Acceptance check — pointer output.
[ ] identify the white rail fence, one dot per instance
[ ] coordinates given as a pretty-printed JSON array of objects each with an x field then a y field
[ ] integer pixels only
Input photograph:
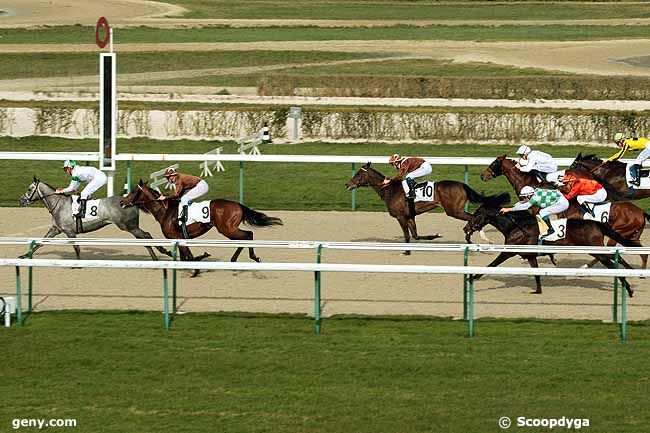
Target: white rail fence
[{"x": 318, "y": 267}]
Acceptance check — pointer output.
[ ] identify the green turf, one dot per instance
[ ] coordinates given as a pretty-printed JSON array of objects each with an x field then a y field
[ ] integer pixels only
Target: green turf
[
  {"x": 27, "y": 65},
  {"x": 272, "y": 186},
  {"x": 409, "y": 10},
  {"x": 120, "y": 372},
  {"x": 79, "y": 34}
]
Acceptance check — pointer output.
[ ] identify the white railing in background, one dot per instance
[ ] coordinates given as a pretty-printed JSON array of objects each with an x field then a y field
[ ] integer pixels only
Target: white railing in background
[{"x": 318, "y": 267}]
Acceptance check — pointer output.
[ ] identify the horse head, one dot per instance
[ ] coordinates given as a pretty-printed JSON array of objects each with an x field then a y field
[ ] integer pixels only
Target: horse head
[
  {"x": 30, "y": 195},
  {"x": 485, "y": 213},
  {"x": 138, "y": 197},
  {"x": 363, "y": 177},
  {"x": 494, "y": 170}
]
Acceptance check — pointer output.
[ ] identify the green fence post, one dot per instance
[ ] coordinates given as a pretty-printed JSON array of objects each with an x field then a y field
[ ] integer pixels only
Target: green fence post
[
  {"x": 241, "y": 182},
  {"x": 465, "y": 260},
  {"x": 165, "y": 300},
  {"x": 623, "y": 306},
  {"x": 128, "y": 176},
  {"x": 317, "y": 318},
  {"x": 615, "y": 312},
  {"x": 471, "y": 306},
  {"x": 466, "y": 180},
  {"x": 174, "y": 254},
  {"x": 354, "y": 191},
  {"x": 30, "y": 254},
  {"x": 19, "y": 302}
]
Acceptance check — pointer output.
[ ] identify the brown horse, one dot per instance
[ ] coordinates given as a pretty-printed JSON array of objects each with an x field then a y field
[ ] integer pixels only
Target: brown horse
[
  {"x": 610, "y": 174},
  {"x": 520, "y": 228},
  {"x": 449, "y": 194},
  {"x": 625, "y": 218},
  {"x": 225, "y": 215}
]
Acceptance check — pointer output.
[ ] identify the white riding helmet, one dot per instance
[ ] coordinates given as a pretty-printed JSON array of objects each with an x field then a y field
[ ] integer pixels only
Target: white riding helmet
[
  {"x": 618, "y": 136},
  {"x": 523, "y": 150},
  {"x": 69, "y": 163},
  {"x": 526, "y": 191}
]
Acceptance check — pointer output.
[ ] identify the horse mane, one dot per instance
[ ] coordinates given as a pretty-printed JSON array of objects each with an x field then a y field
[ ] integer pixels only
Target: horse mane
[
  {"x": 497, "y": 200},
  {"x": 590, "y": 157}
]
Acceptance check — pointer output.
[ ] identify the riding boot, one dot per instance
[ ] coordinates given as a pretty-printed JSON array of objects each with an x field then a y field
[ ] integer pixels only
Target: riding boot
[
  {"x": 587, "y": 209},
  {"x": 183, "y": 220},
  {"x": 81, "y": 213},
  {"x": 635, "y": 172},
  {"x": 550, "y": 230},
  {"x": 411, "y": 184}
]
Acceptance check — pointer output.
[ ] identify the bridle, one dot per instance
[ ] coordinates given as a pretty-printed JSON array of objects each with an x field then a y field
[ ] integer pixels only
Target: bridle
[{"x": 41, "y": 197}]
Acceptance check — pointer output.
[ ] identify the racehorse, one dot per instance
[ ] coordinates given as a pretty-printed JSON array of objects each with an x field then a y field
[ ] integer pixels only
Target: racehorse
[
  {"x": 625, "y": 218},
  {"x": 60, "y": 207},
  {"x": 449, "y": 194},
  {"x": 610, "y": 174},
  {"x": 225, "y": 215},
  {"x": 521, "y": 228}
]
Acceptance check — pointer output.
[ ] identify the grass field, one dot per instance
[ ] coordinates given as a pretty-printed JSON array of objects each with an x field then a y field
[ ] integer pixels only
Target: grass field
[
  {"x": 84, "y": 34},
  {"x": 29, "y": 65},
  {"x": 411, "y": 10},
  {"x": 120, "y": 372},
  {"x": 269, "y": 186}
]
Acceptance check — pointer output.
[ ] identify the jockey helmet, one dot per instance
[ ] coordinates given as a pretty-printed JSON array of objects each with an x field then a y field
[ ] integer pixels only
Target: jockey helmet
[
  {"x": 394, "y": 158},
  {"x": 526, "y": 191},
  {"x": 618, "y": 136},
  {"x": 69, "y": 163},
  {"x": 523, "y": 150},
  {"x": 171, "y": 171}
]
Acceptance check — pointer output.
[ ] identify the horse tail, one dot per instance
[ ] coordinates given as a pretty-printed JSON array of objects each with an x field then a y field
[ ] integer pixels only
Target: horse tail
[
  {"x": 476, "y": 197},
  {"x": 258, "y": 219},
  {"x": 613, "y": 234}
]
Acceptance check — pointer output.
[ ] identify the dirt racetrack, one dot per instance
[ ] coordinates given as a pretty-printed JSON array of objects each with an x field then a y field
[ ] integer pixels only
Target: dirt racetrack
[{"x": 275, "y": 292}]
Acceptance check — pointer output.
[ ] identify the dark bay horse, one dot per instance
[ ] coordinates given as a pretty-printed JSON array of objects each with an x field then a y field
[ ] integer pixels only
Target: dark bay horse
[
  {"x": 610, "y": 174},
  {"x": 520, "y": 228},
  {"x": 225, "y": 215},
  {"x": 449, "y": 194},
  {"x": 625, "y": 218}
]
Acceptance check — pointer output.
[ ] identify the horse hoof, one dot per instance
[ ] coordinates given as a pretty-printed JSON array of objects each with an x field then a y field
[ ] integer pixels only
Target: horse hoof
[
  {"x": 536, "y": 292},
  {"x": 406, "y": 253},
  {"x": 257, "y": 259},
  {"x": 585, "y": 266}
]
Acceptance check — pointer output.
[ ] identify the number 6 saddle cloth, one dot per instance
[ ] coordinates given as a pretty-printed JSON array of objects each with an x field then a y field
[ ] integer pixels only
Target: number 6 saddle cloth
[
  {"x": 601, "y": 213},
  {"x": 92, "y": 209},
  {"x": 198, "y": 212}
]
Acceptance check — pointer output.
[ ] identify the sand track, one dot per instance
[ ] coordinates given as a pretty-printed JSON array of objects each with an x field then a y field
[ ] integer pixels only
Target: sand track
[{"x": 292, "y": 292}]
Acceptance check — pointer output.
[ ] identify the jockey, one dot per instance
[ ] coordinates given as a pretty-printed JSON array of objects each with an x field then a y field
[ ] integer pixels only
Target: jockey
[
  {"x": 549, "y": 201},
  {"x": 95, "y": 178},
  {"x": 585, "y": 191},
  {"x": 409, "y": 169},
  {"x": 634, "y": 144},
  {"x": 539, "y": 163},
  {"x": 188, "y": 188}
]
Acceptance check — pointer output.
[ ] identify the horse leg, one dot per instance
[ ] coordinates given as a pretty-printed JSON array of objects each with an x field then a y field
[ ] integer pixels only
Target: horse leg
[
  {"x": 502, "y": 257},
  {"x": 52, "y": 232},
  {"x": 405, "y": 229},
  {"x": 241, "y": 235},
  {"x": 608, "y": 263},
  {"x": 532, "y": 261},
  {"x": 414, "y": 231},
  {"x": 610, "y": 243},
  {"x": 138, "y": 233},
  {"x": 77, "y": 250}
]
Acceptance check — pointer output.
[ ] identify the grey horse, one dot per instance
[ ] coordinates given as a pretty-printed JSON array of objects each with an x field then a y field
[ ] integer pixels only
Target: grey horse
[{"x": 60, "y": 207}]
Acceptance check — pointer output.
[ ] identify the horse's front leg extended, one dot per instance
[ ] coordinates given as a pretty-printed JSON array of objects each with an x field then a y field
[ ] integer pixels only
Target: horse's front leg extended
[
  {"x": 52, "y": 232},
  {"x": 502, "y": 257}
]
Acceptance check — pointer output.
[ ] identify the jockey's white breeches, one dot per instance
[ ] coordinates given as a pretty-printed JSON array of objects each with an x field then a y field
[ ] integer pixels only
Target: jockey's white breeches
[
  {"x": 645, "y": 153},
  {"x": 597, "y": 197},
  {"x": 559, "y": 206},
  {"x": 200, "y": 189},
  {"x": 423, "y": 170},
  {"x": 98, "y": 181}
]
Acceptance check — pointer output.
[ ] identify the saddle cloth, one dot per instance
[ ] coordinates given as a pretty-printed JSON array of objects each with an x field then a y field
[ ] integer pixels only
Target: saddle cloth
[
  {"x": 424, "y": 191},
  {"x": 92, "y": 209},
  {"x": 558, "y": 224},
  {"x": 645, "y": 180},
  {"x": 198, "y": 212},
  {"x": 601, "y": 212}
]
